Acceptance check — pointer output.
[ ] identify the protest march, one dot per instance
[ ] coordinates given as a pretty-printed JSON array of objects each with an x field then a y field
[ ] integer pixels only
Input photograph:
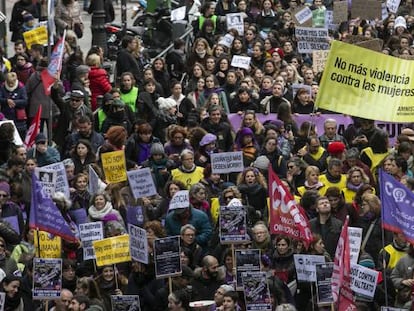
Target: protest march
[{"x": 266, "y": 162}]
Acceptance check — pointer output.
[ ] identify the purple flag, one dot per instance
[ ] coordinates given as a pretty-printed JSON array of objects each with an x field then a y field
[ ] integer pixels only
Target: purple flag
[
  {"x": 45, "y": 216},
  {"x": 397, "y": 206}
]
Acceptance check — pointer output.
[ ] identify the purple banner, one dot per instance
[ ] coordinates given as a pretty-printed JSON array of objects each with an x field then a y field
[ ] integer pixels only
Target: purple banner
[
  {"x": 44, "y": 214},
  {"x": 397, "y": 206},
  {"x": 393, "y": 129}
]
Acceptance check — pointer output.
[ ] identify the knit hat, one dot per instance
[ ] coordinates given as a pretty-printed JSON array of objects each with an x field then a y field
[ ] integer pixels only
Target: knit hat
[
  {"x": 261, "y": 162},
  {"x": 82, "y": 69},
  {"x": 28, "y": 17},
  {"x": 208, "y": 139},
  {"x": 227, "y": 288},
  {"x": 400, "y": 22},
  {"x": 336, "y": 147},
  {"x": 166, "y": 103},
  {"x": 245, "y": 131},
  {"x": 278, "y": 124},
  {"x": 40, "y": 138},
  {"x": 5, "y": 187},
  {"x": 116, "y": 135},
  {"x": 280, "y": 52},
  {"x": 77, "y": 94},
  {"x": 157, "y": 148}
]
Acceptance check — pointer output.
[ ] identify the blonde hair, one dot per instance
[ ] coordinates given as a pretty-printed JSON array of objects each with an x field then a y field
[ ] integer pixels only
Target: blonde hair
[{"x": 93, "y": 60}]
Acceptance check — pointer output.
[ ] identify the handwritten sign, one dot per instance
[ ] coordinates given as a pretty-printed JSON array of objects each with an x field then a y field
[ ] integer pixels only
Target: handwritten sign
[
  {"x": 181, "y": 199},
  {"x": 90, "y": 232},
  {"x": 340, "y": 11},
  {"x": 241, "y": 61},
  {"x": 355, "y": 238},
  {"x": 363, "y": 280},
  {"x": 319, "y": 60},
  {"x": 227, "y": 162},
  {"x": 138, "y": 243},
  {"x": 35, "y": 36},
  {"x": 303, "y": 15},
  {"x": 310, "y": 39},
  {"x": 50, "y": 246},
  {"x": 114, "y": 166},
  {"x": 62, "y": 183},
  {"x": 141, "y": 183},
  {"x": 305, "y": 266},
  {"x": 112, "y": 250}
]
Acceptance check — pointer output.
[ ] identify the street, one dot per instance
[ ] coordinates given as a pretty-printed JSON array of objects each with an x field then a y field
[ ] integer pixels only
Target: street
[{"x": 86, "y": 40}]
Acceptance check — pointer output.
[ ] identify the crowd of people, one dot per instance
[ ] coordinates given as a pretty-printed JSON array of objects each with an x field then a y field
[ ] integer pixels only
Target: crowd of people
[{"x": 170, "y": 115}]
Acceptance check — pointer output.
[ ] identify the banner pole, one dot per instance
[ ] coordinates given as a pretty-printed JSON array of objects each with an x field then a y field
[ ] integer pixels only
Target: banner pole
[
  {"x": 384, "y": 268},
  {"x": 38, "y": 242},
  {"x": 312, "y": 299},
  {"x": 116, "y": 276},
  {"x": 170, "y": 284}
]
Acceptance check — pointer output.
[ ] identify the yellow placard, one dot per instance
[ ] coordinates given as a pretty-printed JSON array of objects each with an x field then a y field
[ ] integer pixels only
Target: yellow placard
[
  {"x": 367, "y": 84},
  {"x": 35, "y": 36},
  {"x": 112, "y": 250},
  {"x": 114, "y": 166},
  {"x": 50, "y": 246}
]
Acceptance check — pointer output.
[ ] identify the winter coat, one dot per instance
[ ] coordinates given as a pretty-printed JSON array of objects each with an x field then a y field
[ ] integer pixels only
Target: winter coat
[
  {"x": 67, "y": 15},
  {"x": 197, "y": 218},
  {"x": 330, "y": 235},
  {"x": 133, "y": 148},
  {"x": 204, "y": 289},
  {"x": 16, "y": 21},
  {"x": 223, "y": 132},
  {"x": 99, "y": 84},
  {"x": 37, "y": 96},
  {"x": 18, "y": 95},
  {"x": 24, "y": 72}
]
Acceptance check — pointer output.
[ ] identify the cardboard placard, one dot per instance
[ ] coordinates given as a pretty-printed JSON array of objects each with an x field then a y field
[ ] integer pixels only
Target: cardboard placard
[
  {"x": 47, "y": 278},
  {"x": 227, "y": 162},
  {"x": 138, "y": 243},
  {"x": 340, "y": 11},
  {"x": 89, "y": 232},
  {"x": 112, "y": 250},
  {"x": 323, "y": 284},
  {"x": 114, "y": 166},
  {"x": 305, "y": 266},
  {"x": 319, "y": 60},
  {"x": 310, "y": 39},
  {"x": 141, "y": 183},
  {"x": 366, "y": 9}
]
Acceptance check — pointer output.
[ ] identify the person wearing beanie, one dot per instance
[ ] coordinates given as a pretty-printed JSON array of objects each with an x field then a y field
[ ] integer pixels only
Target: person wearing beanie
[
  {"x": 81, "y": 83},
  {"x": 400, "y": 25},
  {"x": 167, "y": 116},
  {"x": 207, "y": 147},
  {"x": 42, "y": 152},
  {"x": 117, "y": 116},
  {"x": 246, "y": 142},
  {"x": 160, "y": 166}
]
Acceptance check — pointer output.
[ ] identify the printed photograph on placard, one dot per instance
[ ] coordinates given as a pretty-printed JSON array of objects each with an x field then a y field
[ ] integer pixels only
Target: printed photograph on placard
[
  {"x": 256, "y": 291},
  {"x": 167, "y": 257},
  {"x": 125, "y": 302},
  {"x": 247, "y": 260},
  {"x": 232, "y": 224},
  {"x": 47, "y": 278}
]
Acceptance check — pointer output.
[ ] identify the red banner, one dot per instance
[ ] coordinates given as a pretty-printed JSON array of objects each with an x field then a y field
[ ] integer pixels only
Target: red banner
[
  {"x": 341, "y": 276},
  {"x": 286, "y": 216},
  {"x": 33, "y": 129}
]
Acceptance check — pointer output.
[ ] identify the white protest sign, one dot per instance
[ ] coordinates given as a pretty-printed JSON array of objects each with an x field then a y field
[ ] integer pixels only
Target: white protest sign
[
  {"x": 178, "y": 14},
  {"x": 392, "y": 309},
  {"x": 384, "y": 11},
  {"x": 306, "y": 266},
  {"x": 2, "y": 301},
  {"x": 241, "y": 61},
  {"x": 89, "y": 232},
  {"x": 138, "y": 243},
  {"x": 141, "y": 183},
  {"x": 304, "y": 15},
  {"x": 227, "y": 40},
  {"x": 62, "y": 183},
  {"x": 227, "y": 162},
  {"x": 48, "y": 180},
  {"x": 181, "y": 199},
  {"x": 95, "y": 184},
  {"x": 363, "y": 280},
  {"x": 393, "y": 5},
  {"x": 310, "y": 39},
  {"x": 355, "y": 238},
  {"x": 235, "y": 21}
]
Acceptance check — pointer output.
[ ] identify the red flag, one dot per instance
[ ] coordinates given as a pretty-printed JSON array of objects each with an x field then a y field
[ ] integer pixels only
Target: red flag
[
  {"x": 341, "y": 276},
  {"x": 33, "y": 130},
  {"x": 51, "y": 73},
  {"x": 286, "y": 216}
]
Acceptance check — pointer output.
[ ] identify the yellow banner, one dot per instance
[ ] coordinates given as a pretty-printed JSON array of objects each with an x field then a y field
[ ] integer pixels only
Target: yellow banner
[
  {"x": 114, "y": 166},
  {"x": 368, "y": 84},
  {"x": 112, "y": 250},
  {"x": 35, "y": 36},
  {"x": 50, "y": 246}
]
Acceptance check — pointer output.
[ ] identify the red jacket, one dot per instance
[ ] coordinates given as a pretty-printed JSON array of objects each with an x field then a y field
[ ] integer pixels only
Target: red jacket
[{"x": 99, "y": 84}]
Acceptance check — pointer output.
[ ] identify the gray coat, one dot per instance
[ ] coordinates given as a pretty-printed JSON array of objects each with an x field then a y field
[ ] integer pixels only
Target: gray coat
[{"x": 37, "y": 97}]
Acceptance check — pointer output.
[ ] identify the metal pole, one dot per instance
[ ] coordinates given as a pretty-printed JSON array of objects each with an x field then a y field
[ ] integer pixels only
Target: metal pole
[
  {"x": 124, "y": 16},
  {"x": 98, "y": 25}
]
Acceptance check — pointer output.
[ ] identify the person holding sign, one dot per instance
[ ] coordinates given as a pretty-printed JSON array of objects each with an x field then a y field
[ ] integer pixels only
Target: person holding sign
[{"x": 108, "y": 285}]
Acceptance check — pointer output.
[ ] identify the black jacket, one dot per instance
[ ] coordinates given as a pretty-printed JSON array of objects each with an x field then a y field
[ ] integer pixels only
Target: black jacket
[{"x": 330, "y": 234}]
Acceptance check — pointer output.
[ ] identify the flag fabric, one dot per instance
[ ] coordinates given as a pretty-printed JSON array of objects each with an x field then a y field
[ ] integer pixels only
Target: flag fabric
[
  {"x": 95, "y": 184},
  {"x": 341, "y": 276},
  {"x": 50, "y": 74},
  {"x": 286, "y": 216},
  {"x": 44, "y": 214},
  {"x": 33, "y": 130},
  {"x": 397, "y": 203}
]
